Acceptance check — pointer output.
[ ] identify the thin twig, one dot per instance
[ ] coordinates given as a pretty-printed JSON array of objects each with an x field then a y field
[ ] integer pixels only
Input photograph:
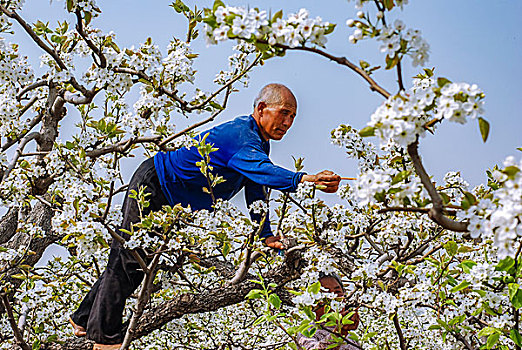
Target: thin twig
[
  {"x": 134, "y": 253},
  {"x": 143, "y": 297},
  {"x": 31, "y": 125},
  {"x": 245, "y": 264},
  {"x": 30, "y": 87},
  {"x": 19, "y": 151},
  {"x": 402, "y": 342},
  {"x": 229, "y": 83},
  {"x": 192, "y": 127},
  {"x": 122, "y": 146},
  {"x": 344, "y": 62},
  {"x": 18, "y": 336},
  {"x": 44, "y": 46},
  {"x": 85, "y": 37}
]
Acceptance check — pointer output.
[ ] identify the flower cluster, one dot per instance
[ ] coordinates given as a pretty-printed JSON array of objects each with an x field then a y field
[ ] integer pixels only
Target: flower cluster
[
  {"x": 403, "y": 117},
  {"x": 237, "y": 63},
  {"x": 228, "y": 22},
  {"x": 397, "y": 41},
  {"x": 500, "y": 218},
  {"x": 349, "y": 138}
]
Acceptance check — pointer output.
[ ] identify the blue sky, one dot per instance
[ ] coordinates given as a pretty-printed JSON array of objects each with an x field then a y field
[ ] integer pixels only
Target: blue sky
[{"x": 471, "y": 40}]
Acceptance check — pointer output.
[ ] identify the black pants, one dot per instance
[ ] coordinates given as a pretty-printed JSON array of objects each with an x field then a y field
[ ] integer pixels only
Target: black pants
[{"x": 101, "y": 310}]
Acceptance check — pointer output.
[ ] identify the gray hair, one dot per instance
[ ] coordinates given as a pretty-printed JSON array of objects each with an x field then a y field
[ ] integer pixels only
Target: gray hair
[
  {"x": 271, "y": 94},
  {"x": 334, "y": 276}
]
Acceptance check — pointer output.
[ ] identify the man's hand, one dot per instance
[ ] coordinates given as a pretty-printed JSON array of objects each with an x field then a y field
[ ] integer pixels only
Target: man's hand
[
  {"x": 274, "y": 242},
  {"x": 326, "y": 179}
]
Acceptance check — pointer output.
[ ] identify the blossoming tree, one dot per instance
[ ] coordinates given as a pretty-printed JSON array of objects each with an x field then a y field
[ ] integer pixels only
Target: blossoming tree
[{"x": 426, "y": 266}]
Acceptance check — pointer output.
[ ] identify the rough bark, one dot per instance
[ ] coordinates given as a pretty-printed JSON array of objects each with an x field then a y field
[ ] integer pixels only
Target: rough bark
[
  {"x": 184, "y": 304},
  {"x": 8, "y": 225}
]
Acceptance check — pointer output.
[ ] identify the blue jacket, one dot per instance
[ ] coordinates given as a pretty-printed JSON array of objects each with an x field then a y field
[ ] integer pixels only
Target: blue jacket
[{"x": 241, "y": 159}]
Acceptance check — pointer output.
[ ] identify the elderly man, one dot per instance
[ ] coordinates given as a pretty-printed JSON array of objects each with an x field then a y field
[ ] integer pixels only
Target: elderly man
[{"x": 173, "y": 177}]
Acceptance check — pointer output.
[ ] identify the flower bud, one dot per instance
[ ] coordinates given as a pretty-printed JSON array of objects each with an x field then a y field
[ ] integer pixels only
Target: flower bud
[
  {"x": 352, "y": 39},
  {"x": 360, "y": 14},
  {"x": 350, "y": 22}
]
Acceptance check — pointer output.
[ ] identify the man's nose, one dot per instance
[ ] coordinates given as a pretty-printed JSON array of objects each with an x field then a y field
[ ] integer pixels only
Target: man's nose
[{"x": 287, "y": 122}]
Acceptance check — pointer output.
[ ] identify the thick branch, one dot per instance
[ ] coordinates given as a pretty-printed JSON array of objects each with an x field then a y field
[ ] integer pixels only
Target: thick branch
[
  {"x": 122, "y": 146},
  {"x": 8, "y": 225},
  {"x": 207, "y": 301},
  {"x": 436, "y": 212}
]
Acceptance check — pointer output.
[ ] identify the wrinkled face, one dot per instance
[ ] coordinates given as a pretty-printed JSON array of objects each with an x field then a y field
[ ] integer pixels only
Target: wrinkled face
[
  {"x": 274, "y": 120},
  {"x": 332, "y": 286}
]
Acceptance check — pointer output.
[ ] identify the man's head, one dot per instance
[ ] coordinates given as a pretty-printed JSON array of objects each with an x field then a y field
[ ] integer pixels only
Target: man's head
[{"x": 275, "y": 108}]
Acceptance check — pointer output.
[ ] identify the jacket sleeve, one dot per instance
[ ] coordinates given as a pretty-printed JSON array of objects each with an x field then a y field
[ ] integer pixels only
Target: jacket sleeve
[
  {"x": 255, "y": 165},
  {"x": 255, "y": 192}
]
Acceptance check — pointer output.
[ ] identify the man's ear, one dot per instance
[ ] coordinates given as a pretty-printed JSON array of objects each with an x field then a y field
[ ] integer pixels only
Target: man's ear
[{"x": 260, "y": 107}]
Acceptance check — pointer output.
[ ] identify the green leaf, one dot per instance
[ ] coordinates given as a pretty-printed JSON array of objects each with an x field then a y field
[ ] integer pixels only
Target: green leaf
[
  {"x": 330, "y": 28},
  {"x": 471, "y": 198},
  {"x": 461, "y": 286},
  {"x": 505, "y": 264},
  {"x": 445, "y": 198},
  {"x": 226, "y": 248},
  {"x": 456, "y": 320},
  {"x": 314, "y": 288},
  {"x": 516, "y": 337},
  {"x": 364, "y": 65},
  {"x": 442, "y": 81},
  {"x": 492, "y": 340},
  {"x": 274, "y": 300},
  {"x": 400, "y": 177},
  {"x": 308, "y": 312},
  {"x": 511, "y": 171},
  {"x": 392, "y": 61},
  {"x": 254, "y": 294},
  {"x": 277, "y": 15},
  {"x": 484, "y": 128},
  {"x": 367, "y": 131},
  {"x": 451, "y": 247},
  {"x": 513, "y": 288},
  {"x": 467, "y": 265},
  {"x": 516, "y": 300},
  {"x": 487, "y": 331},
  {"x": 388, "y": 4},
  {"x": 36, "y": 344},
  {"x": 88, "y": 17},
  {"x": 217, "y": 4},
  {"x": 69, "y": 5}
]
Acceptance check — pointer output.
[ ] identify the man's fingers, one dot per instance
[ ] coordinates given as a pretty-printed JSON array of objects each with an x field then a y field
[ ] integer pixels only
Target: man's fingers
[
  {"x": 276, "y": 245},
  {"x": 329, "y": 177},
  {"x": 274, "y": 242}
]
